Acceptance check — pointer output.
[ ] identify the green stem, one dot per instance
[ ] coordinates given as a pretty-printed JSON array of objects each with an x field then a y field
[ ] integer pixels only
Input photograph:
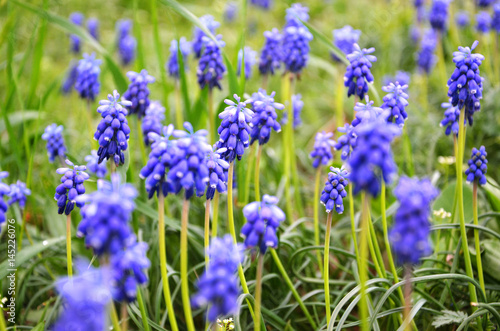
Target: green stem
[
  {"x": 316, "y": 216},
  {"x": 372, "y": 238},
  {"x": 258, "y": 291},
  {"x": 339, "y": 107},
  {"x": 211, "y": 118},
  {"x": 215, "y": 216},
  {"x": 407, "y": 299},
  {"x": 124, "y": 314},
  {"x": 178, "y": 105},
  {"x": 140, "y": 139},
  {"x": 114, "y": 317},
  {"x": 186, "y": 303},
  {"x": 476, "y": 238},
  {"x": 68, "y": 246},
  {"x": 207, "y": 231},
  {"x": 353, "y": 224},
  {"x": 285, "y": 85},
  {"x": 326, "y": 267},
  {"x": 248, "y": 177},
  {"x": 163, "y": 262},
  {"x": 363, "y": 270},
  {"x": 292, "y": 288},
  {"x": 142, "y": 308},
  {"x": 257, "y": 175},
  {"x": 408, "y": 154}
]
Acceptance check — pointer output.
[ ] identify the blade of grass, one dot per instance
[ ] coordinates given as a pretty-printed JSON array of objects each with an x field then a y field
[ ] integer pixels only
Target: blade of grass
[{"x": 159, "y": 57}]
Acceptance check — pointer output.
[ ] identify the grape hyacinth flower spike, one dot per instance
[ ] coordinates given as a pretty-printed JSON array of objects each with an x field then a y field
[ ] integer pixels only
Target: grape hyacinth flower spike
[
  {"x": 438, "y": 14},
  {"x": 113, "y": 130},
  {"x": 296, "y": 48},
  {"x": 70, "y": 80},
  {"x": 199, "y": 36},
  {"x": 358, "y": 73},
  {"x": 322, "y": 151},
  {"x": 344, "y": 39},
  {"x": 217, "y": 168},
  {"x": 462, "y": 19},
  {"x": 271, "y": 53},
  {"x": 402, "y": 77},
  {"x": 264, "y": 4},
  {"x": 366, "y": 112},
  {"x": 495, "y": 19},
  {"x": 465, "y": 86},
  {"x": 87, "y": 79},
  {"x": 173, "y": 62},
  {"x": 76, "y": 43},
  {"x": 127, "y": 43},
  {"x": 230, "y": 11},
  {"x": 264, "y": 119},
  {"x": 211, "y": 67},
  {"x": 93, "y": 27},
  {"x": 152, "y": 122},
  {"x": 483, "y": 22},
  {"x": 249, "y": 57},
  {"x": 55, "y": 142},
  {"x": 396, "y": 101},
  {"x": 298, "y": 105},
  {"x": 296, "y": 14},
  {"x": 450, "y": 120},
  {"x": 93, "y": 165},
  {"x": 18, "y": 194},
  {"x": 478, "y": 165},
  {"x": 426, "y": 59},
  {"x": 346, "y": 142},
  {"x": 334, "y": 191},
  {"x": 70, "y": 188},
  {"x": 138, "y": 92},
  {"x": 4, "y": 190}
]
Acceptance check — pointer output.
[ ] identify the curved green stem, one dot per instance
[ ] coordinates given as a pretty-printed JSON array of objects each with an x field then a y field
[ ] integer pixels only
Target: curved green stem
[
  {"x": 207, "y": 231},
  {"x": 257, "y": 175},
  {"x": 248, "y": 177},
  {"x": 292, "y": 288},
  {"x": 178, "y": 105},
  {"x": 258, "y": 291},
  {"x": 363, "y": 270},
  {"x": 211, "y": 118},
  {"x": 142, "y": 308},
  {"x": 353, "y": 224},
  {"x": 114, "y": 317},
  {"x": 316, "y": 216},
  {"x": 326, "y": 267},
  {"x": 215, "y": 216},
  {"x": 186, "y": 303},
  {"x": 476, "y": 238},
  {"x": 68, "y": 246},
  {"x": 285, "y": 85},
  {"x": 291, "y": 152},
  {"x": 373, "y": 251},
  {"x": 163, "y": 262}
]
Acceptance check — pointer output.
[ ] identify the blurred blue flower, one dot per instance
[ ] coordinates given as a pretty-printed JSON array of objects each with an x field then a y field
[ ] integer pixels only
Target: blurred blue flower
[
  {"x": 85, "y": 299},
  {"x": 265, "y": 118},
  {"x": 263, "y": 220},
  {"x": 93, "y": 165},
  {"x": 322, "y": 150},
  {"x": 401, "y": 77},
  {"x": 426, "y": 59},
  {"x": 484, "y": 3},
  {"x": 358, "y": 73},
  {"x": 87, "y": 79},
  {"x": 76, "y": 43},
  {"x": 295, "y": 14},
  {"x": 495, "y": 19},
  {"x": 438, "y": 15},
  {"x": 465, "y": 86},
  {"x": 4, "y": 190},
  {"x": 271, "y": 53},
  {"x": 173, "y": 62},
  {"x": 106, "y": 216},
  {"x": 334, "y": 191},
  {"x": 211, "y": 67},
  {"x": 396, "y": 101},
  {"x": 230, "y": 11},
  {"x": 296, "y": 48},
  {"x": 344, "y": 39},
  {"x": 234, "y": 130},
  {"x": 462, "y": 19},
  {"x": 188, "y": 168},
  {"x": 128, "y": 270},
  {"x": 366, "y": 112},
  {"x": 18, "y": 193},
  {"x": 478, "y": 166},
  {"x": 198, "y": 41},
  {"x": 410, "y": 233},
  {"x": 93, "y": 27},
  {"x": 249, "y": 59},
  {"x": 483, "y": 22},
  {"x": 70, "y": 188},
  {"x": 264, "y": 4},
  {"x": 346, "y": 142},
  {"x": 55, "y": 142},
  {"x": 152, "y": 122},
  {"x": 71, "y": 77},
  {"x": 218, "y": 287},
  {"x": 138, "y": 92},
  {"x": 113, "y": 130},
  {"x": 127, "y": 43},
  {"x": 450, "y": 120},
  {"x": 297, "y": 105},
  {"x": 217, "y": 169}
]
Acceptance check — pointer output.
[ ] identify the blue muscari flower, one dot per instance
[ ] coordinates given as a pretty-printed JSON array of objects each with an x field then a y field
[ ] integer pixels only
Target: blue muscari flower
[
  {"x": 264, "y": 4},
  {"x": 271, "y": 53},
  {"x": 18, "y": 193},
  {"x": 263, "y": 220},
  {"x": 189, "y": 169},
  {"x": 264, "y": 118},
  {"x": 297, "y": 105},
  {"x": 217, "y": 169},
  {"x": 199, "y": 36},
  {"x": 495, "y": 19},
  {"x": 173, "y": 62},
  {"x": 4, "y": 190},
  {"x": 106, "y": 217},
  {"x": 346, "y": 142},
  {"x": 249, "y": 59},
  {"x": 128, "y": 270},
  {"x": 161, "y": 158},
  {"x": 401, "y": 77},
  {"x": 211, "y": 67},
  {"x": 396, "y": 101},
  {"x": 426, "y": 59},
  {"x": 234, "y": 130},
  {"x": 438, "y": 14},
  {"x": 230, "y": 11},
  {"x": 322, "y": 150},
  {"x": 478, "y": 165},
  {"x": 414, "y": 33},
  {"x": 113, "y": 130},
  {"x": 462, "y": 19},
  {"x": 296, "y": 48},
  {"x": 218, "y": 287},
  {"x": 138, "y": 92},
  {"x": 450, "y": 120},
  {"x": 410, "y": 233},
  {"x": 483, "y": 21},
  {"x": 295, "y": 14},
  {"x": 465, "y": 87},
  {"x": 71, "y": 76},
  {"x": 77, "y": 19},
  {"x": 334, "y": 191},
  {"x": 85, "y": 299},
  {"x": 93, "y": 165},
  {"x": 419, "y": 6},
  {"x": 358, "y": 73},
  {"x": 127, "y": 43},
  {"x": 93, "y": 27},
  {"x": 70, "y": 188},
  {"x": 372, "y": 159},
  {"x": 484, "y": 3},
  {"x": 367, "y": 112},
  {"x": 55, "y": 142},
  {"x": 155, "y": 114},
  {"x": 87, "y": 79},
  {"x": 344, "y": 39}
]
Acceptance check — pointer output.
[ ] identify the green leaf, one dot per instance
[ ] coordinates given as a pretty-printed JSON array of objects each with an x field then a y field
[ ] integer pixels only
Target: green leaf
[
  {"x": 449, "y": 317},
  {"x": 445, "y": 199},
  {"x": 490, "y": 257},
  {"x": 18, "y": 117},
  {"x": 492, "y": 190},
  {"x": 327, "y": 42}
]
